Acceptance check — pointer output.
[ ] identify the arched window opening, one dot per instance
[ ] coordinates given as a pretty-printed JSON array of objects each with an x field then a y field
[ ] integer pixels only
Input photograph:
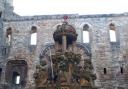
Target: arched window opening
[
  {"x": 33, "y": 35},
  {"x": 112, "y": 32},
  {"x": 86, "y": 34},
  {"x": 8, "y": 36},
  {"x": 105, "y": 71},
  {"x": 16, "y": 78}
]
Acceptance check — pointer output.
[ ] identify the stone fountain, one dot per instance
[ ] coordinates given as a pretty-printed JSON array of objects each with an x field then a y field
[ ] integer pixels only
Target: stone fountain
[{"x": 65, "y": 71}]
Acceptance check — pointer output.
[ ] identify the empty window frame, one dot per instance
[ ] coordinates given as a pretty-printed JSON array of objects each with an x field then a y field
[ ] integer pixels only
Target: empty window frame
[
  {"x": 112, "y": 33},
  {"x": 105, "y": 71},
  {"x": 33, "y": 35},
  {"x": 16, "y": 78},
  {"x": 0, "y": 14},
  {"x": 121, "y": 70},
  {"x": 86, "y": 38},
  {"x": 8, "y": 35},
  {"x": 0, "y": 73}
]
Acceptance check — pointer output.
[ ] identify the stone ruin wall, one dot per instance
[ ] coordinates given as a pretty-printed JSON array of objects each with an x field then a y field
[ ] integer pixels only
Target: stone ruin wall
[{"x": 105, "y": 54}]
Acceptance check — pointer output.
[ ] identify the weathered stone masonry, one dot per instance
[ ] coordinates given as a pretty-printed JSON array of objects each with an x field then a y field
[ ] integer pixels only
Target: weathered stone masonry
[{"x": 21, "y": 56}]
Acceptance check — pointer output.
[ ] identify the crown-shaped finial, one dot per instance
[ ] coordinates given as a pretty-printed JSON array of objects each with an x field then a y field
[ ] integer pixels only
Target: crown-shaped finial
[{"x": 65, "y": 18}]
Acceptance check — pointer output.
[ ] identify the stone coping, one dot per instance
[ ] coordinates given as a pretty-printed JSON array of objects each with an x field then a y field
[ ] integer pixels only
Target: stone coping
[{"x": 60, "y": 16}]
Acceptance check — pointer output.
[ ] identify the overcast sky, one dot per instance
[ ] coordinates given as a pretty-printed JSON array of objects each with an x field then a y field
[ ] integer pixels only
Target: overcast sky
[{"x": 46, "y": 7}]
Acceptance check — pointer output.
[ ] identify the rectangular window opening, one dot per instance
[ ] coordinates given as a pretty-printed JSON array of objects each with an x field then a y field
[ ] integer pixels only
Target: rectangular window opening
[
  {"x": 0, "y": 73},
  {"x": 112, "y": 35},
  {"x": 0, "y": 14},
  {"x": 33, "y": 38},
  {"x": 105, "y": 71},
  {"x": 8, "y": 39},
  {"x": 17, "y": 79},
  {"x": 121, "y": 70},
  {"x": 85, "y": 36}
]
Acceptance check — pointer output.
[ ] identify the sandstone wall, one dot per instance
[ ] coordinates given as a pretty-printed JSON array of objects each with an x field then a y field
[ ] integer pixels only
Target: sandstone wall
[{"x": 105, "y": 54}]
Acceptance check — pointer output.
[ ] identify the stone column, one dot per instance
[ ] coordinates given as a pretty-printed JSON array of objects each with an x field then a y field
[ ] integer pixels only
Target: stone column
[
  {"x": 64, "y": 41},
  {"x": 56, "y": 46}
]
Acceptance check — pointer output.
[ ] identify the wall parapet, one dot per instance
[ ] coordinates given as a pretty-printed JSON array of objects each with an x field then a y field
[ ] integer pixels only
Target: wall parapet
[{"x": 60, "y": 16}]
